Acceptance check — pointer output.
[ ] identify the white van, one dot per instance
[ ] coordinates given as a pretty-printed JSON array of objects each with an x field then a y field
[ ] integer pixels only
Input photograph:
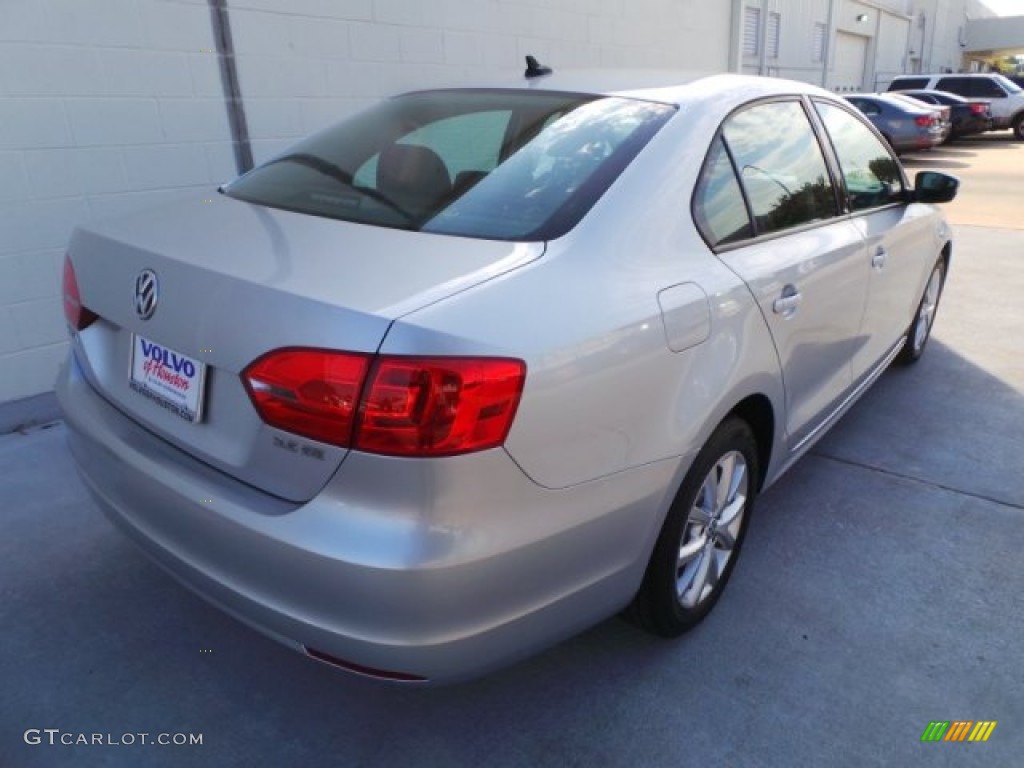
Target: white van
[{"x": 1006, "y": 96}]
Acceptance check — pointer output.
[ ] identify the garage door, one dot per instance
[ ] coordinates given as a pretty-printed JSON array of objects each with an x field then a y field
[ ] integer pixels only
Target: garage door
[{"x": 848, "y": 65}]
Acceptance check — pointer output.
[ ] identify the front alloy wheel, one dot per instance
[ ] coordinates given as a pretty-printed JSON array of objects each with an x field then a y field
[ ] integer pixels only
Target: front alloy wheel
[{"x": 702, "y": 534}]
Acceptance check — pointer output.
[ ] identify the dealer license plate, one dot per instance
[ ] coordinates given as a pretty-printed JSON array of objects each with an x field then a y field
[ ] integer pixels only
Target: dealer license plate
[{"x": 170, "y": 379}]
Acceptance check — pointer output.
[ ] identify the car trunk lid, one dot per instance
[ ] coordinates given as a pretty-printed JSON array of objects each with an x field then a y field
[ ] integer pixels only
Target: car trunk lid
[{"x": 232, "y": 281}]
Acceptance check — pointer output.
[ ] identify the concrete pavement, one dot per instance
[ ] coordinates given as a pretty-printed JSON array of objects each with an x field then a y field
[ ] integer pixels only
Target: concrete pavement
[{"x": 879, "y": 590}]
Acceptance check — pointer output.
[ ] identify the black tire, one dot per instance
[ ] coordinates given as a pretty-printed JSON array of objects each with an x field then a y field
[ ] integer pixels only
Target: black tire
[
  {"x": 920, "y": 329},
  {"x": 673, "y": 597},
  {"x": 1018, "y": 126}
]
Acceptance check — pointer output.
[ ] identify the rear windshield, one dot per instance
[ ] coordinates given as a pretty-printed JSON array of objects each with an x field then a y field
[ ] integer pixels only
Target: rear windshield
[{"x": 494, "y": 164}]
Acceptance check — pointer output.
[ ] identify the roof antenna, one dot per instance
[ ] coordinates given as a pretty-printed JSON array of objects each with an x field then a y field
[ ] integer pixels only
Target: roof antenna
[{"x": 535, "y": 69}]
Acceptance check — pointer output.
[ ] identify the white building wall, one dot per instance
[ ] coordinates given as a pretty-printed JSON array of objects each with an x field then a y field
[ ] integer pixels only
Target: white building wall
[
  {"x": 940, "y": 35},
  {"x": 110, "y": 105},
  {"x": 797, "y": 19},
  {"x": 865, "y": 42},
  {"x": 990, "y": 37},
  {"x": 884, "y": 27},
  {"x": 105, "y": 106},
  {"x": 890, "y": 50},
  {"x": 306, "y": 63}
]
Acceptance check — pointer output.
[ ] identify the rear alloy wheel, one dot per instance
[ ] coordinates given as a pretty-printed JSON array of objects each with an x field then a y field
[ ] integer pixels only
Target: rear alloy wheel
[
  {"x": 702, "y": 535},
  {"x": 921, "y": 328}
]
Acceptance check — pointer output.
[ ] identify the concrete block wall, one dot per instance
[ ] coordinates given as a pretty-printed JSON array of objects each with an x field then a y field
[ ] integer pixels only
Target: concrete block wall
[
  {"x": 110, "y": 105},
  {"x": 105, "y": 106},
  {"x": 305, "y": 64}
]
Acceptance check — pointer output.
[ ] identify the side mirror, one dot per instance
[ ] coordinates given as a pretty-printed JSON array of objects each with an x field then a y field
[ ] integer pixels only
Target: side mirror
[{"x": 935, "y": 187}]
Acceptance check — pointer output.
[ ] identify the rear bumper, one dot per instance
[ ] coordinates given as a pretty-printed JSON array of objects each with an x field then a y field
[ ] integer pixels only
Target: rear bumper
[
  {"x": 918, "y": 141},
  {"x": 437, "y": 570},
  {"x": 971, "y": 125}
]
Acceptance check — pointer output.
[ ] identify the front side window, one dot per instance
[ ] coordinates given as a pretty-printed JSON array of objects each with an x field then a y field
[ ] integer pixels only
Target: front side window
[
  {"x": 870, "y": 172},
  {"x": 780, "y": 165},
  {"x": 958, "y": 85},
  {"x": 494, "y": 164}
]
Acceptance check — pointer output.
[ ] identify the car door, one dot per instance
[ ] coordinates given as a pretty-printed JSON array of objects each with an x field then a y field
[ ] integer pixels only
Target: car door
[
  {"x": 783, "y": 235},
  {"x": 897, "y": 255}
]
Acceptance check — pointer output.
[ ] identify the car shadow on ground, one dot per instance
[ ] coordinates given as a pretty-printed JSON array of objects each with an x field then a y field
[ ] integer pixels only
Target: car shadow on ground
[
  {"x": 951, "y": 154},
  {"x": 930, "y": 160}
]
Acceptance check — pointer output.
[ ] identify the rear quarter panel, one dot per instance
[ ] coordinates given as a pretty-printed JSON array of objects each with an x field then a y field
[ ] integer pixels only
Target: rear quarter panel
[{"x": 604, "y": 391}]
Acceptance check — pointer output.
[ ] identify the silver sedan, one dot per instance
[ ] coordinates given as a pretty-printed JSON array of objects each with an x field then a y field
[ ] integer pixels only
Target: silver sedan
[{"x": 478, "y": 368}]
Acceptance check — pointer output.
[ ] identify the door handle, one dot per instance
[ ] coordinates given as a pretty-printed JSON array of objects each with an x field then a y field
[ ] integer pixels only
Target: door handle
[
  {"x": 787, "y": 303},
  {"x": 878, "y": 260}
]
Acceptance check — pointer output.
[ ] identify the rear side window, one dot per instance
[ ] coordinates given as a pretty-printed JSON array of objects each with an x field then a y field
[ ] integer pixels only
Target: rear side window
[
  {"x": 865, "y": 106},
  {"x": 908, "y": 84},
  {"x": 718, "y": 206},
  {"x": 870, "y": 172},
  {"x": 494, "y": 164},
  {"x": 781, "y": 166}
]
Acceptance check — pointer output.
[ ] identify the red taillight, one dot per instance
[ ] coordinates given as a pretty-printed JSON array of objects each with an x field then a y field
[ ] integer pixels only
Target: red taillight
[
  {"x": 439, "y": 406},
  {"x": 924, "y": 120},
  {"x": 311, "y": 392},
  {"x": 78, "y": 317},
  {"x": 978, "y": 109},
  {"x": 409, "y": 406}
]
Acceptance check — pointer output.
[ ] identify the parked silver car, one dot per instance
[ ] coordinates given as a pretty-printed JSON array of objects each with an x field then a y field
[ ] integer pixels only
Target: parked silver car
[{"x": 478, "y": 368}]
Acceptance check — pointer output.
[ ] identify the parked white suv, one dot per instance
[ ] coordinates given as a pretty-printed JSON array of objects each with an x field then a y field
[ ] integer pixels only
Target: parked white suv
[{"x": 1006, "y": 96}]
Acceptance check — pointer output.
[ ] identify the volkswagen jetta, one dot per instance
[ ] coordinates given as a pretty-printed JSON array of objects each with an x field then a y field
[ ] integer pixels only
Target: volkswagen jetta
[{"x": 478, "y": 368}]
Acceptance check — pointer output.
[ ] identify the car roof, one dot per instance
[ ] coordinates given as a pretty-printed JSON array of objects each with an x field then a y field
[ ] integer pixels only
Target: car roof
[
  {"x": 945, "y": 74},
  {"x": 932, "y": 92},
  {"x": 893, "y": 100},
  {"x": 666, "y": 86}
]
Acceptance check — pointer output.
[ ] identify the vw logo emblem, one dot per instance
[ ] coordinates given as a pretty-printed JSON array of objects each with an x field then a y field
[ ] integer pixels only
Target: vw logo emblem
[{"x": 147, "y": 292}]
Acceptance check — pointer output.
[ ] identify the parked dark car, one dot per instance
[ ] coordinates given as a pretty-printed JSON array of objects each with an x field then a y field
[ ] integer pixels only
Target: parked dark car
[
  {"x": 969, "y": 116},
  {"x": 900, "y": 122}
]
